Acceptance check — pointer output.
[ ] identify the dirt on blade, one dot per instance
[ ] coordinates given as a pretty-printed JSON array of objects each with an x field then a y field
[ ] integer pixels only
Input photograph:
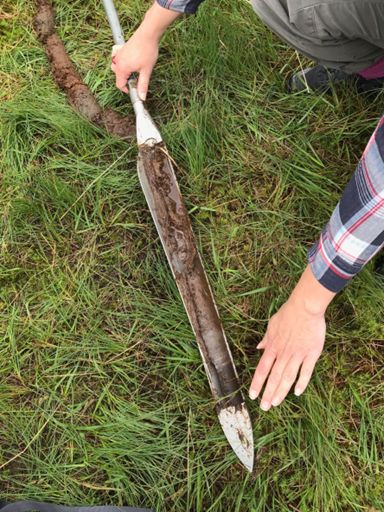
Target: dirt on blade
[
  {"x": 174, "y": 226},
  {"x": 68, "y": 79}
]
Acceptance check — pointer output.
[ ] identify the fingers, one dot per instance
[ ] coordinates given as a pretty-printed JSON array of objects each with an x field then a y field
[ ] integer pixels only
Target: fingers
[
  {"x": 281, "y": 379},
  {"x": 132, "y": 57},
  {"x": 121, "y": 77},
  {"x": 287, "y": 379},
  {"x": 262, "y": 343},
  {"x": 306, "y": 373},
  {"x": 273, "y": 381},
  {"x": 261, "y": 373},
  {"x": 143, "y": 83}
]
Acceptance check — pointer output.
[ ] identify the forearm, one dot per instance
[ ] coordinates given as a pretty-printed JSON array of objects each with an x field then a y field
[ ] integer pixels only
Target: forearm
[
  {"x": 156, "y": 21},
  {"x": 355, "y": 232}
]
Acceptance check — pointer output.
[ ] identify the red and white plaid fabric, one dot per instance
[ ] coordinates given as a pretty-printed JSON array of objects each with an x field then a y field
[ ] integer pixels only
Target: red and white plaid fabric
[{"x": 355, "y": 231}]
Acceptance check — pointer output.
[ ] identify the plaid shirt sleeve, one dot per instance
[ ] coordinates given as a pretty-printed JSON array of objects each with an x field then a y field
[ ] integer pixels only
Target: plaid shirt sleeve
[
  {"x": 184, "y": 6},
  {"x": 355, "y": 231}
]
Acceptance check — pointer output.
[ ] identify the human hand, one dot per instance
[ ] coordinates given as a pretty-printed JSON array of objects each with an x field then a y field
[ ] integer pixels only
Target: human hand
[
  {"x": 139, "y": 54},
  {"x": 294, "y": 339},
  {"x": 292, "y": 343}
]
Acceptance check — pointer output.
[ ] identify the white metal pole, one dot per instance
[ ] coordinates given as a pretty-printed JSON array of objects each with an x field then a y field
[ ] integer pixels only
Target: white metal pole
[{"x": 114, "y": 22}]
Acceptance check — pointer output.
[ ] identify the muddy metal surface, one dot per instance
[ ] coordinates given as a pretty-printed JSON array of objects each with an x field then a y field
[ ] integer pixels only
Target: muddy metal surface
[
  {"x": 69, "y": 80},
  {"x": 173, "y": 224}
]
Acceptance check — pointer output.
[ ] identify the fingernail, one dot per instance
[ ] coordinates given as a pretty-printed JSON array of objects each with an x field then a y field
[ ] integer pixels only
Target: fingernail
[
  {"x": 298, "y": 391},
  {"x": 275, "y": 402},
  {"x": 142, "y": 96},
  {"x": 252, "y": 394},
  {"x": 265, "y": 406}
]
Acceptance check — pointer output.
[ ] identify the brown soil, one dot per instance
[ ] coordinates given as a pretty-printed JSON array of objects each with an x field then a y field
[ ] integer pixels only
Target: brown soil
[
  {"x": 171, "y": 217},
  {"x": 68, "y": 79}
]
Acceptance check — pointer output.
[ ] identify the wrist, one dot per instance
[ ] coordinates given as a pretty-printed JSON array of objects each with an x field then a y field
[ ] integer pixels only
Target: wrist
[
  {"x": 311, "y": 296},
  {"x": 149, "y": 31},
  {"x": 156, "y": 21}
]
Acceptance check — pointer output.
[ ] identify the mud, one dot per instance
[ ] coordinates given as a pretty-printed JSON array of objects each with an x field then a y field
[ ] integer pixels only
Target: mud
[
  {"x": 68, "y": 79},
  {"x": 172, "y": 221}
]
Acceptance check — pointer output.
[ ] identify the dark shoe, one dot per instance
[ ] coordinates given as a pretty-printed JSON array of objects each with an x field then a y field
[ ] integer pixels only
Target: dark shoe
[
  {"x": 319, "y": 79},
  {"x": 368, "y": 86}
]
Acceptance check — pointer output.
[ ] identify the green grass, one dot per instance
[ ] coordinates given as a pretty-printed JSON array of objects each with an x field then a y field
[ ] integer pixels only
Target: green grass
[{"x": 103, "y": 398}]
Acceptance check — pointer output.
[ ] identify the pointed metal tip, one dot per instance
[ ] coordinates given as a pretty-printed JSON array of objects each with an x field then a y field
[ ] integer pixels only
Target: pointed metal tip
[{"x": 237, "y": 427}]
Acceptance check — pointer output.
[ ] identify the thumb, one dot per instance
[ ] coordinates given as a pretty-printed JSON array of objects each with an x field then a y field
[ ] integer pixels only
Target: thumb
[{"x": 143, "y": 83}]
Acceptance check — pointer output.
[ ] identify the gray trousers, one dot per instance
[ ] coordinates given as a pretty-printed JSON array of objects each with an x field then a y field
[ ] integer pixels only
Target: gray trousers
[{"x": 341, "y": 34}]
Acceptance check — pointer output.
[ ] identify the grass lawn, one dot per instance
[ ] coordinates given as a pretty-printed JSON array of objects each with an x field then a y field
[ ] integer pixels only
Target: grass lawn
[{"x": 103, "y": 397}]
